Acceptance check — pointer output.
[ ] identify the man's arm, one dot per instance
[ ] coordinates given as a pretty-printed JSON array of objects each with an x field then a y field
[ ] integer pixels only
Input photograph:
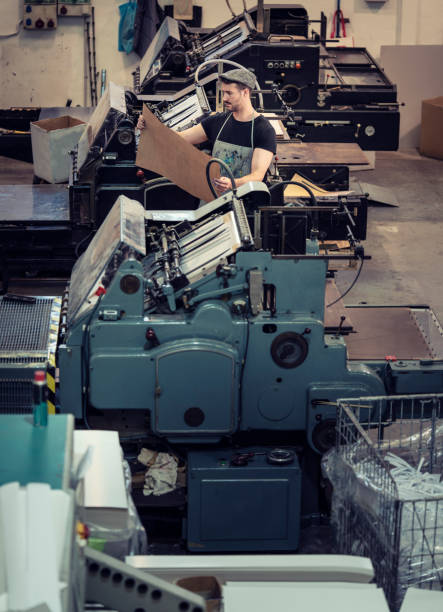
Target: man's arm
[
  {"x": 261, "y": 160},
  {"x": 194, "y": 135}
]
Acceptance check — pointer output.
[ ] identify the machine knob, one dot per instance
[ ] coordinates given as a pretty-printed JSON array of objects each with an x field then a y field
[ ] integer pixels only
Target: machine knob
[
  {"x": 39, "y": 23},
  {"x": 29, "y": 9},
  {"x": 51, "y": 23},
  {"x": 151, "y": 338},
  {"x": 280, "y": 456},
  {"x": 63, "y": 10},
  {"x": 297, "y": 65},
  {"x": 140, "y": 174}
]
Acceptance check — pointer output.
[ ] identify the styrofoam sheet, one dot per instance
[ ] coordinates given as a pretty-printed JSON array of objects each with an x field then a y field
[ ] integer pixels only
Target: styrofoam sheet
[
  {"x": 338, "y": 598},
  {"x": 104, "y": 480},
  {"x": 423, "y": 600},
  {"x": 258, "y": 567}
]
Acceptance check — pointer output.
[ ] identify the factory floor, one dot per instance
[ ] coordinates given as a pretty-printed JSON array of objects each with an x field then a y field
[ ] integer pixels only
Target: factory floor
[{"x": 405, "y": 242}]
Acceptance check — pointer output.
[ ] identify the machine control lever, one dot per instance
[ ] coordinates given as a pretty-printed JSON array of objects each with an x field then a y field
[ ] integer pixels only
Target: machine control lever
[{"x": 151, "y": 338}]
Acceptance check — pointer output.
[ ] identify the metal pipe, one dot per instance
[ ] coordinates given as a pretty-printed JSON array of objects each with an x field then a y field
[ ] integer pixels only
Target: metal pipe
[
  {"x": 94, "y": 67},
  {"x": 88, "y": 41},
  {"x": 231, "y": 63}
]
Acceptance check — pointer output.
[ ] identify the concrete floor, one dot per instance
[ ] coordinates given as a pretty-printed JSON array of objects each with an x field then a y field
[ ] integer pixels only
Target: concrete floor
[{"x": 405, "y": 243}]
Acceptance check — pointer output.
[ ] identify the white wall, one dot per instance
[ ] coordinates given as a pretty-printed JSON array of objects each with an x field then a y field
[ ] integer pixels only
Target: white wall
[{"x": 47, "y": 68}]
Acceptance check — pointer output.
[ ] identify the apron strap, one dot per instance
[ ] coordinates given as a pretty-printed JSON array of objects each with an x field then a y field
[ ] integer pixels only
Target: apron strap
[
  {"x": 220, "y": 131},
  {"x": 226, "y": 121}
]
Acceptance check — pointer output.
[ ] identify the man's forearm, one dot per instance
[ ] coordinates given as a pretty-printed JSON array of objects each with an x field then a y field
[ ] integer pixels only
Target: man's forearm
[{"x": 252, "y": 176}]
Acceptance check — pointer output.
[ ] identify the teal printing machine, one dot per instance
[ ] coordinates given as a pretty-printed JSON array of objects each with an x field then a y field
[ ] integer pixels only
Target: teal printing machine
[{"x": 185, "y": 331}]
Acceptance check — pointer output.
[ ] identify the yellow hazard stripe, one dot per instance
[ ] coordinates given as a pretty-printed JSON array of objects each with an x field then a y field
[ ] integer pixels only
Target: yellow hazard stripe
[
  {"x": 51, "y": 407},
  {"x": 50, "y": 381}
]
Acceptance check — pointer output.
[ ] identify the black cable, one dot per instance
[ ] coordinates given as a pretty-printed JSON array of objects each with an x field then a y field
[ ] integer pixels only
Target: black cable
[
  {"x": 305, "y": 187},
  {"x": 225, "y": 167},
  {"x": 81, "y": 242},
  {"x": 230, "y": 8},
  {"x": 350, "y": 287}
]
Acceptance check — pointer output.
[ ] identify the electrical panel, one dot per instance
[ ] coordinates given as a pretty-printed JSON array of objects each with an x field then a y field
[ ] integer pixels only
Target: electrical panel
[
  {"x": 41, "y": 15},
  {"x": 74, "y": 8}
]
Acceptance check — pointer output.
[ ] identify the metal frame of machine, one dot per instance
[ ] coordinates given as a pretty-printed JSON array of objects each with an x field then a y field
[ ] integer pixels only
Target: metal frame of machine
[
  {"x": 224, "y": 349},
  {"x": 323, "y": 93}
]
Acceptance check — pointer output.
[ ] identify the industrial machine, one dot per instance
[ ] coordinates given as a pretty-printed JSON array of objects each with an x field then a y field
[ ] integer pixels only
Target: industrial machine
[
  {"x": 323, "y": 93},
  {"x": 187, "y": 332},
  {"x": 61, "y": 220}
]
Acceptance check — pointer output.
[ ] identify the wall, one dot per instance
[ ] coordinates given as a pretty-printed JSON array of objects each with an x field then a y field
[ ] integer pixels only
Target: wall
[{"x": 47, "y": 68}]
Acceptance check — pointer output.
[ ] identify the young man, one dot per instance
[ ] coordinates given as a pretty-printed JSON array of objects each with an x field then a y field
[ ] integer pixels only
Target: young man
[{"x": 240, "y": 137}]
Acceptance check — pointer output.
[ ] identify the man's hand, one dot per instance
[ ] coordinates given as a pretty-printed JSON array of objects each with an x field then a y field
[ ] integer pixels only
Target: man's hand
[
  {"x": 141, "y": 123},
  {"x": 222, "y": 184}
]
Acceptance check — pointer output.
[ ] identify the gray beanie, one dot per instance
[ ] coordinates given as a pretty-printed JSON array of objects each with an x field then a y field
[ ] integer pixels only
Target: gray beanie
[{"x": 240, "y": 75}]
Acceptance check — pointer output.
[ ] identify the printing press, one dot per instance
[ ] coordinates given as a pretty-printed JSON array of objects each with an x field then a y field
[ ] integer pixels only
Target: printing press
[
  {"x": 60, "y": 220},
  {"x": 323, "y": 93},
  {"x": 176, "y": 327}
]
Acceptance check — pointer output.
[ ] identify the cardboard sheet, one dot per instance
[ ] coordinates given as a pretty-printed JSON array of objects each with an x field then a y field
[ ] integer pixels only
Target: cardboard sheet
[
  {"x": 163, "y": 151},
  {"x": 295, "y": 191}
]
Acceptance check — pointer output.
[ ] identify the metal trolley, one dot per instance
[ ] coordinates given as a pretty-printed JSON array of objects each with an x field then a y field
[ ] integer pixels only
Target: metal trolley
[{"x": 403, "y": 537}]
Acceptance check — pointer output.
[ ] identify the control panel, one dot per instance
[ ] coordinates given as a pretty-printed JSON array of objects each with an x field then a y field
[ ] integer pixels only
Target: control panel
[
  {"x": 74, "y": 8},
  {"x": 283, "y": 64},
  {"x": 40, "y": 15}
]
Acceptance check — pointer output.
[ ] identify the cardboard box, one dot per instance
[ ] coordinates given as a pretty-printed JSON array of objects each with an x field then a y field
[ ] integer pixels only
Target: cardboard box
[
  {"x": 207, "y": 587},
  {"x": 52, "y": 139},
  {"x": 431, "y": 135}
]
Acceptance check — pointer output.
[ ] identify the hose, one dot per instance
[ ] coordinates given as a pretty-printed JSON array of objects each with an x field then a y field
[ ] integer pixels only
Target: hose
[
  {"x": 305, "y": 187},
  {"x": 225, "y": 167}
]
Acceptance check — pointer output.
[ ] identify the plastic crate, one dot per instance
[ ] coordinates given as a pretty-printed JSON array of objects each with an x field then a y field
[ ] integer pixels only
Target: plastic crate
[{"x": 403, "y": 537}]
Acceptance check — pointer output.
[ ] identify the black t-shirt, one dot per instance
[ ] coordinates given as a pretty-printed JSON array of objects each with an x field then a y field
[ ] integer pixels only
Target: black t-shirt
[{"x": 239, "y": 132}]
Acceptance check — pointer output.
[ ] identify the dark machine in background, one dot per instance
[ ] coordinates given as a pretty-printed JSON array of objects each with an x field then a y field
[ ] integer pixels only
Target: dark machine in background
[
  {"x": 55, "y": 223},
  {"x": 323, "y": 93}
]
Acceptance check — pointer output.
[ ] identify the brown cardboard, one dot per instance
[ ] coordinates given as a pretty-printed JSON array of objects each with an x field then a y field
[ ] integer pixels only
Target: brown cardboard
[
  {"x": 163, "y": 151},
  {"x": 58, "y": 123},
  {"x": 51, "y": 140},
  {"x": 207, "y": 587},
  {"x": 431, "y": 134}
]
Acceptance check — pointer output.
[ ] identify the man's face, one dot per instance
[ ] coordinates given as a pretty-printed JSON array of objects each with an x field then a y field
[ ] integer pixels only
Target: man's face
[{"x": 233, "y": 96}]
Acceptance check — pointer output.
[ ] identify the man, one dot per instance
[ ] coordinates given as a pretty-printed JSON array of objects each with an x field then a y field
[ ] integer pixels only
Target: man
[{"x": 240, "y": 137}]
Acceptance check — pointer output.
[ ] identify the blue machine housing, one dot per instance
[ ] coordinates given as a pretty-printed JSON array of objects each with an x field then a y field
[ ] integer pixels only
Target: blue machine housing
[
  {"x": 213, "y": 363},
  {"x": 217, "y": 343},
  {"x": 255, "y": 506}
]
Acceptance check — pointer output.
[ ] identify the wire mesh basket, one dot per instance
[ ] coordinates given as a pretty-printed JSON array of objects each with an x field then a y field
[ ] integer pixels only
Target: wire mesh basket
[{"x": 396, "y": 522}]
